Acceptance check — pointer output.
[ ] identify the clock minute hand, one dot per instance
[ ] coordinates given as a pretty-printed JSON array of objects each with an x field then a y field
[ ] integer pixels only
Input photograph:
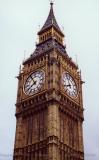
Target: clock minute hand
[
  {"x": 34, "y": 82},
  {"x": 68, "y": 85}
]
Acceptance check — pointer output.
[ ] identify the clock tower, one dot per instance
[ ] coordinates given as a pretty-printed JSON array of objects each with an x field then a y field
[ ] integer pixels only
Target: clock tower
[{"x": 49, "y": 107}]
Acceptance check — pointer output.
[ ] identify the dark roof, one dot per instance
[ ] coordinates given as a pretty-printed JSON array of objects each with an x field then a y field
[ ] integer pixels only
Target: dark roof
[
  {"x": 51, "y": 21},
  {"x": 45, "y": 47}
]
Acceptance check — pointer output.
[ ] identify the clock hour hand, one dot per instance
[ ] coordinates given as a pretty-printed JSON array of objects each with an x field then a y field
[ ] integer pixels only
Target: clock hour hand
[
  {"x": 34, "y": 82},
  {"x": 68, "y": 85}
]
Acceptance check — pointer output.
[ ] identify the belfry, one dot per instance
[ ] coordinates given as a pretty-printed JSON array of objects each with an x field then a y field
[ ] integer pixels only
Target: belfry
[{"x": 49, "y": 106}]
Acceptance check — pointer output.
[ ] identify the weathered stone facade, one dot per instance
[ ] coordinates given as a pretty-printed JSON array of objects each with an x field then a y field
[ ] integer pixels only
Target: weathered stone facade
[{"x": 49, "y": 122}]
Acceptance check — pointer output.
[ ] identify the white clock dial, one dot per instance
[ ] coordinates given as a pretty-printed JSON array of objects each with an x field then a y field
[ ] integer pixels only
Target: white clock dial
[
  {"x": 34, "y": 82},
  {"x": 69, "y": 85}
]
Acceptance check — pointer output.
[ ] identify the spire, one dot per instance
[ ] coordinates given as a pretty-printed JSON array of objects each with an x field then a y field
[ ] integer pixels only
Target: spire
[
  {"x": 51, "y": 3},
  {"x": 51, "y": 22}
]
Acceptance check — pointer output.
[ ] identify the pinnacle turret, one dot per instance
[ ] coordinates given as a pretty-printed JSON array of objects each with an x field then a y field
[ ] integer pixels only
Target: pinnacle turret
[{"x": 51, "y": 22}]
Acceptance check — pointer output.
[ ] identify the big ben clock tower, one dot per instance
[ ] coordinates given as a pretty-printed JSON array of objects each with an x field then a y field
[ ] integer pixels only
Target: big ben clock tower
[{"x": 49, "y": 107}]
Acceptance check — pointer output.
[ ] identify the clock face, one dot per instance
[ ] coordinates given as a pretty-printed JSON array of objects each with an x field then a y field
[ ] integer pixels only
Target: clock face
[
  {"x": 34, "y": 82},
  {"x": 69, "y": 85}
]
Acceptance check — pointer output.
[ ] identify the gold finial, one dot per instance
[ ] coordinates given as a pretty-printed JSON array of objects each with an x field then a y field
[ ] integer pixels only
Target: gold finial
[{"x": 51, "y": 2}]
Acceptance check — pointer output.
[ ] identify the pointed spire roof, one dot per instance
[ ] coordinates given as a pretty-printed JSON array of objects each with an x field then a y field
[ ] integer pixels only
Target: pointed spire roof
[{"x": 51, "y": 22}]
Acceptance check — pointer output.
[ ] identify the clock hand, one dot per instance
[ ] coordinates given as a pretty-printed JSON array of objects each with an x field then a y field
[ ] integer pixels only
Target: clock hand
[
  {"x": 33, "y": 80},
  {"x": 33, "y": 84},
  {"x": 28, "y": 89},
  {"x": 68, "y": 85}
]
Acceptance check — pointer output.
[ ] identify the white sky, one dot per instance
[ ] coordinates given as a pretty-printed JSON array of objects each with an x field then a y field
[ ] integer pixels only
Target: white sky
[{"x": 19, "y": 24}]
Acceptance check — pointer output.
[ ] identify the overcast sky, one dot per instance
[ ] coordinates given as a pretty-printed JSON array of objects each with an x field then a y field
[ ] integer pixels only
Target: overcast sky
[{"x": 19, "y": 24}]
